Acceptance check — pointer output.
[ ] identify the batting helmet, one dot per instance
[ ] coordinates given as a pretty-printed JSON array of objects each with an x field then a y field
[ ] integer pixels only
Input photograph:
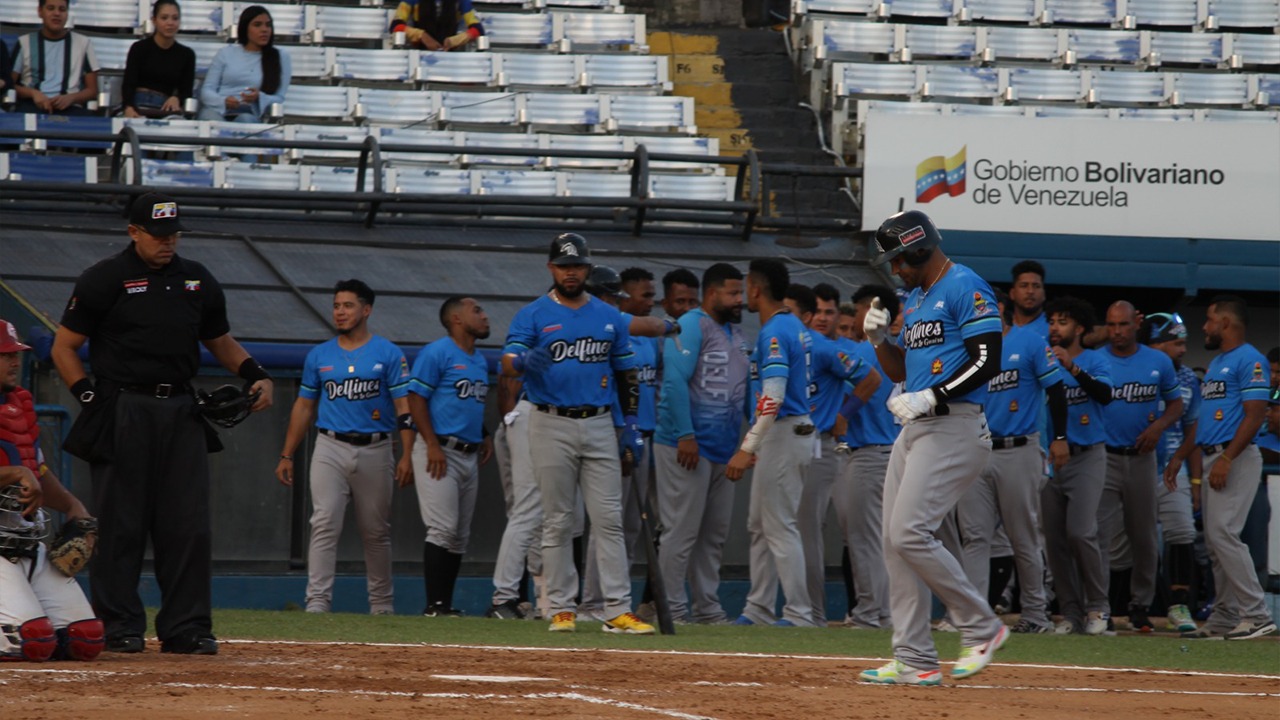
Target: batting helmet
[
  {"x": 1162, "y": 327},
  {"x": 604, "y": 280},
  {"x": 9, "y": 341},
  {"x": 910, "y": 234},
  {"x": 228, "y": 405},
  {"x": 569, "y": 249}
]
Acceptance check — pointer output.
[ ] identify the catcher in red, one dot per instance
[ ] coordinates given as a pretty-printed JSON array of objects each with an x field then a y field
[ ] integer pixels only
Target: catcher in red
[{"x": 43, "y": 612}]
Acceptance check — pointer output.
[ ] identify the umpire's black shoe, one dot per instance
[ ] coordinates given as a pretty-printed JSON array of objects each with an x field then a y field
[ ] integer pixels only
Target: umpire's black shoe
[
  {"x": 441, "y": 610},
  {"x": 190, "y": 643},
  {"x": 509, "y": 610},
  {"x": 124, "y": 644}
]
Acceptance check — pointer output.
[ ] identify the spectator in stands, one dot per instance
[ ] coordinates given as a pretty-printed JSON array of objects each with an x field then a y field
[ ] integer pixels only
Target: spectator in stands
[
  {"x": 437, "y": 24},
  {"x": 55, "y": 69},
  {"x": 160, "y": 72},
  {"x": 245, "y": 80},
  {"x": 679, "y": 293}
]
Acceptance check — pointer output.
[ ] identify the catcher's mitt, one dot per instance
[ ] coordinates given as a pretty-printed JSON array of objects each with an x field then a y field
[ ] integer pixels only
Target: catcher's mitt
[{"x": 73, "y": 547}]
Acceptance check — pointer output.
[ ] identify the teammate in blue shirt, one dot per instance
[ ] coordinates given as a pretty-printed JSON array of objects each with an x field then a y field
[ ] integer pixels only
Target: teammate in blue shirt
[
  {"x": 1069, "y": 500},
  {"x": 1027, "y": 296},
  {"x": 948, "y": 349},
  {"x": 1141, "y": 378},
  {"x": 1008, "y": 490},
  {"x": 1167, "y": 333},
  {"x": 1236, "y": 389},
  {"x": 359, "y": 382},
  {"x": 575, "y": 354},
  {"x": 447, "y": 392}
]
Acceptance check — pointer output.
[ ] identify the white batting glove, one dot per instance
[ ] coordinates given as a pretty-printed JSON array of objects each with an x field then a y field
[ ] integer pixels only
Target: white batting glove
[
  {"x": 876, "y": 323},
  {"x": 909, "y": 406}
]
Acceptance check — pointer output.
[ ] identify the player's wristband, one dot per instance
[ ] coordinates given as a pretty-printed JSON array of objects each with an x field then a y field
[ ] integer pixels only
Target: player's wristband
[
  {"x": 253, "y": 372},
  {"x": 405, "y": 422},
  {"x": 83, "y": 390},
  {"x": 1196, "y": 481},
  {"x": 670, "y": 327},
  {"x": 287, "y": 457}
]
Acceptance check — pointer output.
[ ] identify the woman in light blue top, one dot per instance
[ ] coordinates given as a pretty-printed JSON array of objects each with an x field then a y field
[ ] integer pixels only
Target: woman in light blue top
[{"x": 244, "y": 80}]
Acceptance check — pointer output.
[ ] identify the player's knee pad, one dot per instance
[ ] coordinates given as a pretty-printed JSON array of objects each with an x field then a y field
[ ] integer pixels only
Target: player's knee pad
[
  {"x": 81, "y": 640},
  {"x": 33, "y": 640}
]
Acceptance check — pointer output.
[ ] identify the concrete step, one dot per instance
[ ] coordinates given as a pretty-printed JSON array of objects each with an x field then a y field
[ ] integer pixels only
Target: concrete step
[
  {"x": 733, "y": 141},
  {"x": 717, "y": 93},
  {"x": 678, "y": 43},
  {"x": 696, "y": 68},
  {"x": 717, "y": 116}
]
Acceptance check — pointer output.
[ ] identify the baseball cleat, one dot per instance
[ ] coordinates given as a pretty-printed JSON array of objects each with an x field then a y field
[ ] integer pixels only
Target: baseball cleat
[
  {"x": 564, "y": 622},
  {"x": 1031, "y": 628},
  {"x": 1180, "y": 619},
  {"x": 125, "y": 644},
  {"x": 1250, "y": 630},
  {"x": 974, "y": 659},
  {"x": 744, "y": 620},
  {"x": 1065, "y": 627},
  {"x": 784, "y": 623},
  {"x": 1139, "y": 621},
  {"x": 628, "y": 624},
  {"x": 1098, "y": 623},
  {"x": 441, "y": 610},
  {"x": 944, "y": 625},
  {"x": 899, "y": 673},
  {"x": 509, "y": 610},
  {"x": 1205, "y": 633}
]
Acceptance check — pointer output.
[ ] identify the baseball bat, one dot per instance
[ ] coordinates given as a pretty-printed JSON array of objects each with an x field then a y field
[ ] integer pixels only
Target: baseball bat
[{"x": 665, "y": 623}]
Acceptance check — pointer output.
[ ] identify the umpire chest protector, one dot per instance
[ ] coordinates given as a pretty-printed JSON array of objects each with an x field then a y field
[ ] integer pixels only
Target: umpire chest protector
[{"x": 19, "y": 429}]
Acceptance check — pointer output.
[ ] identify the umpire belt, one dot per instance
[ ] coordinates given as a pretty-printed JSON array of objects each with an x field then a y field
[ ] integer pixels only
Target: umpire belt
[
  {"x": 578, "y": 412},
  {"x": 461, "y": 446},
  {"x": 159, "y": 390},
  {"x": 1005, "y": 443},
  {"x": 358, "y": 439},
  {"x": 1127, "y": 451}
]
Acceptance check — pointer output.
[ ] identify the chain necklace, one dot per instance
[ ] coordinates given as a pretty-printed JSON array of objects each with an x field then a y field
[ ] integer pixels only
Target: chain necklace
[{"x": 925, "y": 293}]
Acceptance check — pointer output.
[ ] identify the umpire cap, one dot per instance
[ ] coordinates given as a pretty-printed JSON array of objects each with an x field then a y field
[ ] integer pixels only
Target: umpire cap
[
  {"x": 910, "y": 234},
  {"x": 9, "y": 342},
  {"x": 569, "y": 249},
  {"x": 604, "y": 280},
  {"x": 156, "y": 213}
]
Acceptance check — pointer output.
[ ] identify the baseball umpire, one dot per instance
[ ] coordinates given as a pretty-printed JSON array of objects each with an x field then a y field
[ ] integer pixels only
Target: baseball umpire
[
  {"x": 447, "y": 395},
  {"x": 951, "y": 346},
  {"x": 575, "y": 353},
  {"x": 356, "y": 383},
  {"x": 145, "y": 312}
]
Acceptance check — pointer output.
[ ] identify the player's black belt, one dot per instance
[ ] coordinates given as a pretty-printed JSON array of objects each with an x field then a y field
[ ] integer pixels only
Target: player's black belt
[
  {"x": 805, "y": 428},
  {"x": 454, "y": 443},
  {"x": 159, "y": 390},
  {"x": 1127, "y": 451},
  {"x": 1074, "y": 449},
  {"x": 579, "y": 412},
  {"x": 1215, "y": 449},
  {"x": 1004, "y": 443},
  {"x": 360, "y": 439}
]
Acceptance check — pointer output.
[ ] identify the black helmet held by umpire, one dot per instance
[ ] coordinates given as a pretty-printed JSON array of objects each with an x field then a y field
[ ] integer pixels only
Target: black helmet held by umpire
[
  {"x": 604, "y": 280},
  {"x": 910, "y": 234},
  {"x": 226, "y": 406},
  {"x": 569, "y": 249}
]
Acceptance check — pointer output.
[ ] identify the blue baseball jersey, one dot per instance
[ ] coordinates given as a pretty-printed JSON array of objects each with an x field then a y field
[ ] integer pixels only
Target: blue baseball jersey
[
  {"x": 1015, "y": 397},
  {"x": 783, "y": 350},
  {"x": 355, "y": 388},
  {"x": 1189, "y": 389},
  {"x": 1040, "y": 326},
  {"x": 874, "y": 423},
  {"x": 835, "y": 373},
  {"x": 587, "y": 345},
  {"x": 1138, "y": 383},
  {"x": 1233, "y": 378},
  {"x": 960, "y": 305},
  {"x": 455, "y": 384},
  {"x": 704, "y": 386},
  {"x": 646, "y": 350},
  {"x": 1085, "y": 422}
]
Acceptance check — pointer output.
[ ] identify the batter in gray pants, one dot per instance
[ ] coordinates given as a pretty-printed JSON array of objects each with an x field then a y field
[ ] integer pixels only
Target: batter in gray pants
[
  {"x": 522, "y": 538},
  {"x": 1069, "y": 506},
  {"x": 860, "y": 507},
  {"x": 1129, "y": 503},
  {"x": 696, "y": 506},
  {"x": 934, "y": 461},
  {"x": 365, "y": 476}
]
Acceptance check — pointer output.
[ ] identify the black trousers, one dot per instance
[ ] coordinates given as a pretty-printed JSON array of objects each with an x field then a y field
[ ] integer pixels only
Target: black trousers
[{"x": 156, "y": 487}]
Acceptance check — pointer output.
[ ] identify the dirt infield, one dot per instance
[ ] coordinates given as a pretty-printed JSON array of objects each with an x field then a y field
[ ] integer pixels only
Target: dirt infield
[{"x": 260, "y": 679}]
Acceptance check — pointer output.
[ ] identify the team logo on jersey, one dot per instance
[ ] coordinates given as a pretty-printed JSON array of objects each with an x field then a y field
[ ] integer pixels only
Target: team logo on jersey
[
  {"x": 353, "y": 389},
  {"x": 1084, "y": 419},
  {"x": 1217, "y": 415},
  {"x": 1049, "y": 358},
  {"x": 1076, "y": 396},
  {"x": 1151, "y": 417},
  {"x": 936, "y": 367},
  {"x": 584, "y": 350},
  {"x": 404, "y": 367},
  {"x": 923, "y": 334},
  {"x": 845, "y": 360},
  {"x": 775, "y": 350},
  {"x": 940, "y": 305},
  {"x": 471, "y": 389},
  {"x": 1133, "y": 392},
  {"x": 1004, "y": 380},
  {"x": 377, "y": 367},
  {"x": 1213, "y": 390},
  {"x": 376, "y": 414},
  {"x": 1015, "y": 357},
  {"x": 648, "y": 375},
  {"x": 604, "y": 381},
  {"x": 133, "y": 287},
  {"x": 1013, "y": 406},
  {"x": 1257, "y": 372},
  {"x": 191, "y": 285},
  {"x": 980, "y": 306}
]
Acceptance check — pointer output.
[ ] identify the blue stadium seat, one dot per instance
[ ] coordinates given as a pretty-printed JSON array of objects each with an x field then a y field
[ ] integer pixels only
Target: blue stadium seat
[
  {"x": 204, "y": 16},
  {"x": 635, "y": 73},
  {"x": 542, "y": 70},
  {"x": 167, "y": 127},
  {"x": 1246, "y": 13},
  {"x": 713, "y": 188},
  {"x": 952, "y": 81},
  {"x": 286, "y": 20},
  {"x": 1161, "y": 114},
  {"x": 72, "y": 123},
  {"x": 1018, "y": 11},
  {"x": 1256, "y": 49},
  {"x": 352, "y": 23},
  {"x": 319, "y": 102},
  {"x": 851, "y": 39},
  {"x": 561, "y": 109},
  {"x": 478, "y": 108},
  {"x": 386, "y": 65},
  {"x": 506, "y": 141},
  {"x": 205, "y": 50},
  {"x": 606, "y": 31},
  {"x": 1046, "y": 85},
  {"x": 327, "y": 178},
  {"x": 106, "y": 14},
  {"x": 419, "y": 136},
  {"x": 260, "y": 176},
  {"x": 607, "y": 143},
  {"x": 1119, "y": 87},
  {"x": 177, "y": 173},
  {"x": 681, "y": 145},
  {"x": 1082, "y": 12},
  {"x": 112, "y": 51},
  {"x": 530, "y": 183},
  {"x": 520, "y": 29},
  {"x": 326, "y": 133},
  {"x": 1188, "y": 48},
  {"x": 458, "y": 68},
  {"x": 837, "y": 7},
  {"x": 1211, "y": 88},
  {"x": 922, "y": 8},
  {"x": 234, "y": 130},
  {"x": 1221, "y": 115},
  {"x": 434, "y": 181},
  {"x": 1166, "y": 13},
  {"x": 309, "y": 61},
  {"x": 1073, "y": 113},
  {"x": 50, "y": 168},
  {"x": 652, "y": 114},
  {"x": 1114, "y": 47},
  {"x": 943, "y": 41},
  {"x": 858, "y": 79},
  {"x": 1011, "y": 43},
  {"x": 597, "y": 184},
  {"x": 1270, "y": 84},
  {"x": 19, "y": 12}
]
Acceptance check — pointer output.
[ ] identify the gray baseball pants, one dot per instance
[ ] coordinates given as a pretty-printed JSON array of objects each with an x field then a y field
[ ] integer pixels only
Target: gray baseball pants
[
  {"x": 365, "y": 476},
  {"x": 819, "y": 483},
  {"x": 522, "y": 538},
  {"x": 1177, "y": 522},
  {"x": 592, "y": 599},
  {"x": 448, "y": 503},
  {"x": 1129, "y": 503},
  {"x": 933, "y": 463},
  {"x": 777, "y": 550},
  {"x": 696, "y": 507},
  {"x": 1069, "y": 507},
  {"x": 568, "y": 455},
  {"x": 1008, "y": 489},
  {"x": 1240, "y": 597},
  {"x": 859, "y": 498}
]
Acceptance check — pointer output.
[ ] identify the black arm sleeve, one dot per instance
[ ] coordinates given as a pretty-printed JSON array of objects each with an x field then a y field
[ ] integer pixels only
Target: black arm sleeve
[
  {"x": 1097, "y": 390},
  {"x": 628, "y": 391},
  {"x": 1057, "y": 394},
  {"x": 984, "y": 364}
]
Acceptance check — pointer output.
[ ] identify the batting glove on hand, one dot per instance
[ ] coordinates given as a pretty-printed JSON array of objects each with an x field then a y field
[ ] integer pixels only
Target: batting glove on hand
[
  {"x": 909, "y": 406},
  {"x": 534, "y": 360},
  {"x": 631, "y": 440},
  {"x": 876, "y": 322}
]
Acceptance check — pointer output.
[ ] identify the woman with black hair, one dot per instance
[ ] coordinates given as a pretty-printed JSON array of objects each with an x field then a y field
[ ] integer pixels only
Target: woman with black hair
[
  {"x": 246, "y": 79},
  {"x": 160, "y": 71}
]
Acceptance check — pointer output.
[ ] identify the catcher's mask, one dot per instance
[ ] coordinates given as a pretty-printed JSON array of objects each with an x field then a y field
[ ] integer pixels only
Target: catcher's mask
[{"x": 226, "y": 406}]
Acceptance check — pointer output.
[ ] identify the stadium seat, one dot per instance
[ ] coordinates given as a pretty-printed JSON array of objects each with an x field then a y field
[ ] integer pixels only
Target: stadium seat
[
  {"x": 513, "y": 141},
  {"x": 74, "y": 123},
  {"x": 261, "y": 176},
  {"x": 565, "y": 110},
  {"x": 597, "y": 184},
  {"x": 520, "y": 29},
  {"x": 205, "y": 50},
  {"x": 286, "y": 20},
  {"x": 1073, "y": 113},
  {"x": 433, "y": 181},
  {"x": 1270, "y": 85},
  {"x": 953, "y": 81},
  {"x": 1220, "y": 115},
  {"x": 326, "y": 133},
  {"x": 1045, "y": 85},
  {"x": 712, "y": 188},
  {"x": 1256, "y": 50},
  {"x": 29, "y": 167},
  {"x": 352, "y": 23},
  {"x": 942, "y": 41},
  {"x": 542, "y": 70},
  {"x": 1211, "y": 89},
  {"x": 1166, "y": 13},
  {"x": 836, "y": 7},
  {"x": 112, "y": 52},
  {"x": 534, "y": 183},
  {"x": 318, "y": 101},
  {"x": 850, "y": 40},
  {"x": 231, "y": 130},
  {"x": 922, "y": 8},
  {"x": 1014, "y": 11},
  {"x": 179, "y": 173},
  {"x": 204, "y": 16},
  {"x": 396, "y": 107},
  {"x": 106, "y": 14},
  {"x": 327, "y": 178},
  {"x": 628, "y": 72},
  {"x": 478, "y": 108},
  {"x": 1119, "y": 87},
  {"x": 1246, "y": 13},
  {"x": 1082, "y": 12},
  {"x": 19, "y": 12},
  {"x": 309, "y": 61},
  {"x": 384, "y": 65},
  {"x": 458, "y": 68},
  {"x": 650, "y": 114},
  {"x": 681, "y": 145},
  {"x": 608, "y": 31},
  {"x": 1005, "y": 110},
  {"x": 603, "y": 143},
  {"x": 1188, "y": 48},
  {"x": 419, "y": 136},
  {"x": 1113, "y": 47},
  {"x": 167, "y": 127},
  {"x": 859, "y": 79},
  {"x": 1161, "y": 114},
  {"x": 1011, "y": 43}
]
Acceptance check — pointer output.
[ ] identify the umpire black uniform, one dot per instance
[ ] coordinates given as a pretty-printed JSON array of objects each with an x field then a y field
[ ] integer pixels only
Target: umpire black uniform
[{"x": 146, "y": 311}]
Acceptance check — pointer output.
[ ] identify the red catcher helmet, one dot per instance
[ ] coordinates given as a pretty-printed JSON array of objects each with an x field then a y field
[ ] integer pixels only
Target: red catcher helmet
[{"x": 9, "y": 341}]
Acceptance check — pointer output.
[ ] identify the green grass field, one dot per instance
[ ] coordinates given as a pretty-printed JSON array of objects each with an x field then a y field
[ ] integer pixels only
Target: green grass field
[{"x": 1164, "y": 651}]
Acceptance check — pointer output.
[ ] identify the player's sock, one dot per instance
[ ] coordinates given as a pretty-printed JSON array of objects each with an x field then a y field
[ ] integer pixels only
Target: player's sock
[
  {"x": 1181, "y": 560},
  {"x": 434, "y": 565},
  {"x": 522, "y": 593},
  {"x": 579, "y": 555},
  {"x": 1001, "y": 571},
  {"x": 449, "y": 577},
  {"x": 846, "y": 571}
]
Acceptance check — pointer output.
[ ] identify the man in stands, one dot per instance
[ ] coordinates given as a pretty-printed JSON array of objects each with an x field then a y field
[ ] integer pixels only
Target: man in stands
[{"x": 55, "y": 69}]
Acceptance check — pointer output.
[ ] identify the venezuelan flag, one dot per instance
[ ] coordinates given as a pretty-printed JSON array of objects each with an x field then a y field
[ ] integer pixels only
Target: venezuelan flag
[{"x": 940, "y": 175}]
